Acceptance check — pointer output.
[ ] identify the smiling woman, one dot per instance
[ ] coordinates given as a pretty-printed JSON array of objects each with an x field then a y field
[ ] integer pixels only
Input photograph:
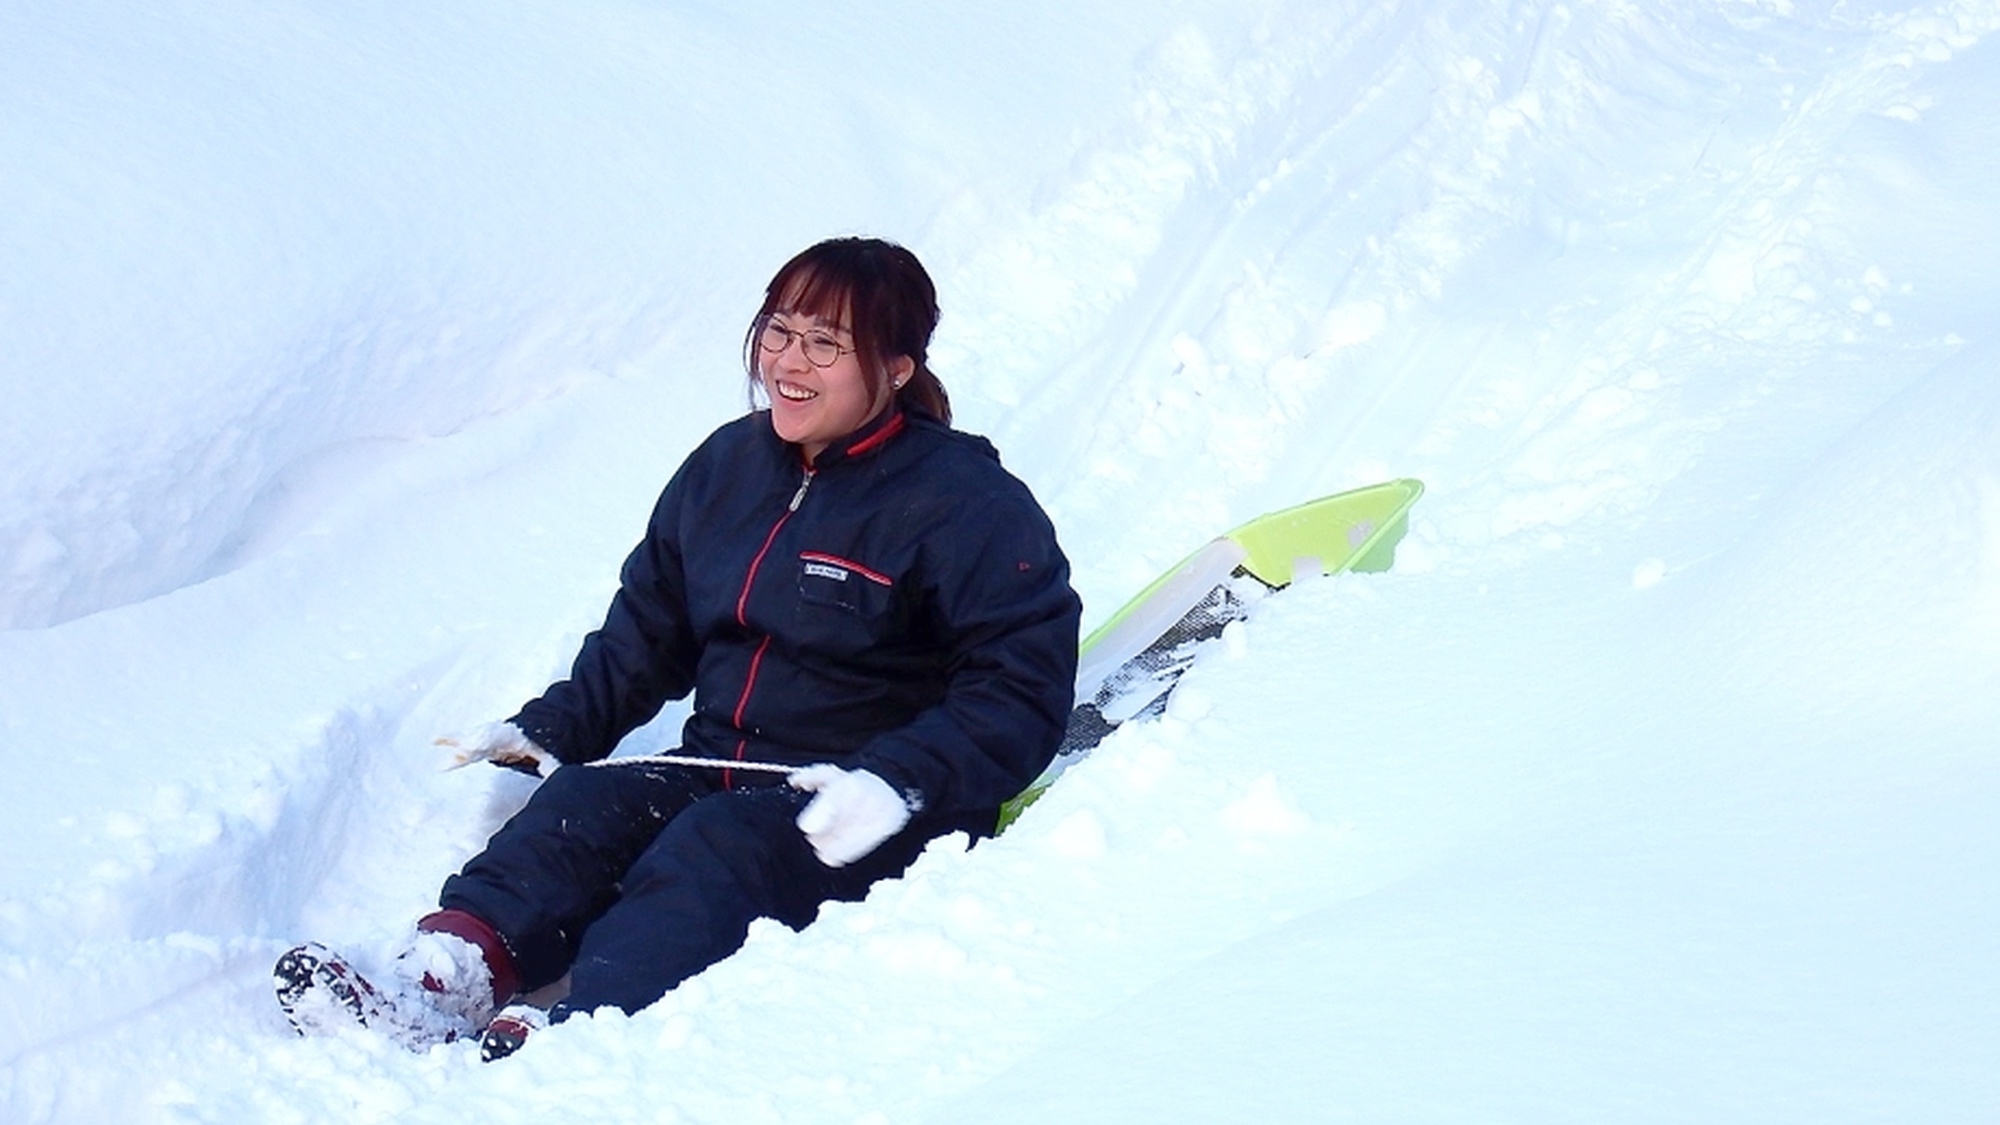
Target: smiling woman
[{"x": 873, "y": 667}]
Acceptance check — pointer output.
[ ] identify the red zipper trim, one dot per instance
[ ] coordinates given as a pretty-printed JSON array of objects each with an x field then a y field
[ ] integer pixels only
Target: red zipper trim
[
  {"x": 874, "y": 576},
  {"x": 749, "y": 681},
  {"x": 743, "y": 705},
  {"x": 743, "y": 619},
  {"x": 743, "y": 599}
]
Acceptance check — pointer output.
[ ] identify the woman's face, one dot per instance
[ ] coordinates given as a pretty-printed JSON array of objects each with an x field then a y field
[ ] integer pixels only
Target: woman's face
[{"x": 811, "y": 405}]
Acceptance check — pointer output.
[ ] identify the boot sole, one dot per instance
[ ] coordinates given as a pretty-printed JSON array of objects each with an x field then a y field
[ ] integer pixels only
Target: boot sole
[{"x": 320, "y": 992}]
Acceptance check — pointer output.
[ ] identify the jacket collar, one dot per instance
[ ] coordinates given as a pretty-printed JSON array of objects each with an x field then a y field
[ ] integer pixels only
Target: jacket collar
[{"x": 870, "y": 437}]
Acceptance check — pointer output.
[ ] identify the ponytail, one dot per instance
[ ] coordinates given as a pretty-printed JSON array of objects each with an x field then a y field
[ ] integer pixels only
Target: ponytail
[{"x": 923, "y": 393}]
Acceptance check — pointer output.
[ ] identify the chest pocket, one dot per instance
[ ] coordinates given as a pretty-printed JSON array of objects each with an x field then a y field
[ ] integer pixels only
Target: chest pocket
[{"x": 845, "y": 585}]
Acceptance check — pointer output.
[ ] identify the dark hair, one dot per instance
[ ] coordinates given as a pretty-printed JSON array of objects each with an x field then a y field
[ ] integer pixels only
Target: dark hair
[{"x": 882, "y": 294}]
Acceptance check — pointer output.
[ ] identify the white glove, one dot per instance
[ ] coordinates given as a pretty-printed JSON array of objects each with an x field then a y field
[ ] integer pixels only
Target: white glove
[
  {"x": 853, "y": 813},
  {"x": 503, "y": 744}
]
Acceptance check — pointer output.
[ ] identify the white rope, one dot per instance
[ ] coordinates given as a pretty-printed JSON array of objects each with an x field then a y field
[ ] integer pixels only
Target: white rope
[
  {"x": 706, "y": 763},
  {"x": 462, "y": 759}
]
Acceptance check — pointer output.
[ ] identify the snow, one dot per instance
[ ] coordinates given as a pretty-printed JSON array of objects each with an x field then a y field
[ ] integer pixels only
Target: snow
[{"x": 346, "y": 346}]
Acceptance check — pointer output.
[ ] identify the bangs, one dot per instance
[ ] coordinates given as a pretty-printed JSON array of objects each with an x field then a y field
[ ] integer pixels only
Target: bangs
[
  {"x": 814, "y": 292},
  {"x": 832, "y": 282}
]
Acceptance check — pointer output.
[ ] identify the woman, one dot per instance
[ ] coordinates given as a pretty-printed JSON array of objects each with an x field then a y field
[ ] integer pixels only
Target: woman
[{"x": 874, "y": 619}]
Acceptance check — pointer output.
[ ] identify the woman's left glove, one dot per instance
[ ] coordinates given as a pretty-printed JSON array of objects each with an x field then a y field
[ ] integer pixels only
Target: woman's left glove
[{"x": 853, "y": 812}]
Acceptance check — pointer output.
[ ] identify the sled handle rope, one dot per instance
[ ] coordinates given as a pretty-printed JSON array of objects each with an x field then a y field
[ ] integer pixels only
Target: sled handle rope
[
  {"x": 712, "y": 763},
  {"x": 682, "y": 760}
]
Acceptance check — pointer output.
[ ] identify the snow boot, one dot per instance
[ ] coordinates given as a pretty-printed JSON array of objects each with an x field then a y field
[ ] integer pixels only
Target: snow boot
[
  {"x": 440, "y": 988},
  {"x": 509, "y": 1031}
]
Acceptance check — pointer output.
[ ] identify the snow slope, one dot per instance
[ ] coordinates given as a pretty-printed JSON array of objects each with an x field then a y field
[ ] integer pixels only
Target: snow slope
[{"x": 346, "y": 347}]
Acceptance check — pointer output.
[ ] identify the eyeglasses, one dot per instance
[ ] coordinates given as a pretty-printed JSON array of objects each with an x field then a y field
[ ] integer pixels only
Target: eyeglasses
[{"x": 819, "y": 346}]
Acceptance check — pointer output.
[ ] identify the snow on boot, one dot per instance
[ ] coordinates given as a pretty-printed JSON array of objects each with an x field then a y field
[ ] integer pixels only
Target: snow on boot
[
  {"x": 437, "y": 990},
  {"x": 509, "y": 1031},
  {"x": 441, "y": 989}
]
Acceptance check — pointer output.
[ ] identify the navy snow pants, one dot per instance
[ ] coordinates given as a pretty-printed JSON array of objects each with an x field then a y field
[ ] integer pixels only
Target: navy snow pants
[{"x": 633, "y": 876}]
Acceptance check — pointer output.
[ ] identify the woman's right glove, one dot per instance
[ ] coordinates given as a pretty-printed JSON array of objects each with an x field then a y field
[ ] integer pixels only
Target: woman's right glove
[
  {"x": 503, "y": 744},
  {"x": 852, "y": 813}
]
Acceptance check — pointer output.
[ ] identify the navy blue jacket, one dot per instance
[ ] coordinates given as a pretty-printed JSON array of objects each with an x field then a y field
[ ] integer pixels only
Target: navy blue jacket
[{"x": 901, "y": 607}]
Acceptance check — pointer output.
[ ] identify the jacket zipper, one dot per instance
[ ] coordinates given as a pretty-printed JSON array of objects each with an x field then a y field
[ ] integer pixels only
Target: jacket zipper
[
  {"x": 799, "y": 497},
  {"x": 743, "y": 598},
  {"x": 742, "y": 617}
]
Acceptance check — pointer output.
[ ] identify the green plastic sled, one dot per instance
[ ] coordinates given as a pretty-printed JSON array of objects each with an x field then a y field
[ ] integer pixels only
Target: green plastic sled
[{"x": 1355, "y": 530}]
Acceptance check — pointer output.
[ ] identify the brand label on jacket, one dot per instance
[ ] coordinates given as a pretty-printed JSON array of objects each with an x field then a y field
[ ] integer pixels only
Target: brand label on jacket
[{"x": 826, "y": 570}]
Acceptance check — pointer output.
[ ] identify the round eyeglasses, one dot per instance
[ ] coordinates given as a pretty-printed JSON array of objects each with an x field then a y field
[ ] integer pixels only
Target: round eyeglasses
[{"x": 819, "y": 346}]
